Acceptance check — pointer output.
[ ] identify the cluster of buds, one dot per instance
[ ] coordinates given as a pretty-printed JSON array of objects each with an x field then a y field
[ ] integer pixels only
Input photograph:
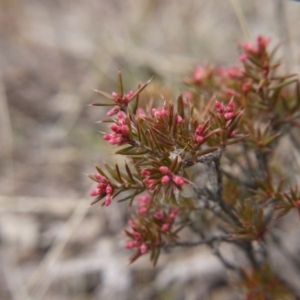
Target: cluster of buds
[
  {"x": 198, "y": 137},
  {"x": 160, "y": 113},
  {"x": 137, "y": 239},
  {"x": 226, "y": 112},
  {"x": 231, "y": 72},
  {"x": 169, "y": 176},
  {"x": 143, "y": 203},
  {"x": 121, "y": 101},
  {"x": 150, "y": 227},
  {"x": 103, "y": 189},
  {"x": 202, "y": 74},
  {"x": 166, "y": 220},
  {"x": 151, "y": 180},
  {"x": 249, "y": 50},
  {"x": 120, "y": 132}
]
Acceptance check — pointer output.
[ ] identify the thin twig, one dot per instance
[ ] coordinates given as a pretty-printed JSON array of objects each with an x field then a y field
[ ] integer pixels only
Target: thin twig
[
  {"x": 207, "y": 241},
  {"x": 226, "y": 263},
  {"x": 219, "y": 197}
]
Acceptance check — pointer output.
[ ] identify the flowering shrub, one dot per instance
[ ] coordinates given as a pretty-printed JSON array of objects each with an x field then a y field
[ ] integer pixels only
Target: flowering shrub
[{"x": 251, "y": 107}]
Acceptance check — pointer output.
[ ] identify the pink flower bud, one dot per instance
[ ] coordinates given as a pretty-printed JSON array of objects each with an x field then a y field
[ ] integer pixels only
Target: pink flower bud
[
  {"x": 107, "y": 200},
  {"x": 158, "y": 215},
  {"x": 165, "y": 179},
  {"x": 198, "y": 74},
  {"x": 120, "y": 117},
  {"x": 124, "y": 130},
  {"x": 228, "y": 116},
  {"x": 130, "y": 244},
  {"x": 219, "y": 107},
  {"x": 173, "y": 213},
  {"x": 246, "y": 87},
  {"x": 99, "y": 177},
  {"x": 113, "y": 111},
  {"x": 115, "y": 96},
  {"x": 130, "y": 223},
  {"x": 102, "y": 185},
  {"x": 165, "y": 227},
  {"x": 179, "y": 119},
  {"x": 178, "y": 180},
  {"x": 145, "y": 172},
  {"x": 142, "y": 210},
  {"x": 109, "y": 190},
  {"x": 143, "y": 249},
  {"x": 230, "y": 106},
  {"x": 94, "y": 193},
  {"x": 114, "y": 127},
  {"x": 298, "y": 203},
  {"x": 129, "y": 95},
  {"x": 136, "y": 235},
  {"x": 232, "y": 133},
  {"x": 144, "y": 199},
  {"x": 116, "y": 140},
  {"x": 107, "y": 136},
  {"x": 199, "y": 129},
  {"x": 262, "y": 41},
  {"x": 243, "y": 57},
  {"x": 248, "y": 47},
  {"x": 140, "y": 112},
  {"x": 199, "y": 139},
  {"x": 164, "y": 170}
]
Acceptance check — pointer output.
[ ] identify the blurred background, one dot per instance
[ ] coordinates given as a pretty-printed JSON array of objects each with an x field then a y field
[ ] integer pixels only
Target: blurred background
[{"x": 53, "y": 53}]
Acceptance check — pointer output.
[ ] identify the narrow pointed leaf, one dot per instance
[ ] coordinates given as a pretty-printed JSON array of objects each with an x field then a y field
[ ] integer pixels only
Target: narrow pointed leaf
[
  {"x": 180, "y": 106},
  {"x": 112, "y": 173},
  {"x": 141, "y": 88},
  {"x": 129, "y": 173},
  {"x": 100, "y": 171},
  {"x": 281, "y": 85},
  {"x": 125, "y": 150},
  {"x": 120, "y": 84},
  {"x": 136, "y": 103},
  {"x": 104, "y": 94},
  {"x": 103, "y": 104},
  {"x": 118, "y": 173}
]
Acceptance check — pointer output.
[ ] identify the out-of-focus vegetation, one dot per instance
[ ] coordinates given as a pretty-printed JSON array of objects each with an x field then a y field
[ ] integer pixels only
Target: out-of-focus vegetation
[{"x": 52, "y": 55}]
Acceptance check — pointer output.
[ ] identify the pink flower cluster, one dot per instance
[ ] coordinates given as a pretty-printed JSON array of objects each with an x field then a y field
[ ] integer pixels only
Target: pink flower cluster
[
  {"x": 247, "y": 86},
  {"x": 167, "y": 220},
  {"x": 143, "y": 203},
  {"x": 103, "y": 189},
  {"x": 168, "y": 176},
  {"x": 198, "y": 137},
  {"x": 148, "y": 181},
  {"x": 160, "y": 113},
  {"x": 226, "y": 112},
  {"x": 249, "y": 49},
  {"x": 137, "y": 241},
  {"x": 198, "y": 75},
  {"x": 163, "y": 113},
  {"x": 120, "y": 101},
  {"x": 120, "y": 132},
  {"x": 231, "y": 72},
  {"x": 163, "y": 221}
]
